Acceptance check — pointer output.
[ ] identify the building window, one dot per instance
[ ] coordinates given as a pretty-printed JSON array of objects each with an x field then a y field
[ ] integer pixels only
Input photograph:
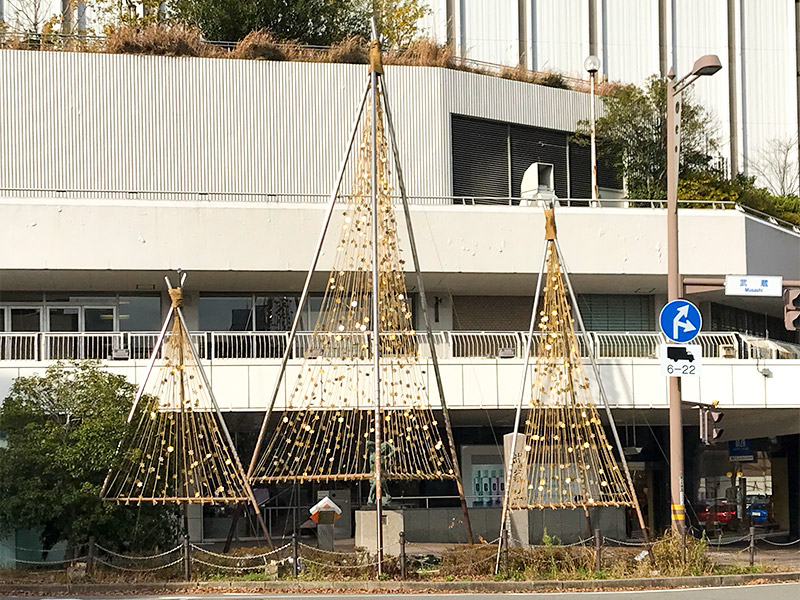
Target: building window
[
  {"x": 226, "y": 313},
  {"x": 139, "y": 313}
]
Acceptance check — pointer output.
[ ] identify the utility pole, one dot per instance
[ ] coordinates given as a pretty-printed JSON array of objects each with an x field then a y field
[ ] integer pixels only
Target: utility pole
[{"x": 705, "y": 65}]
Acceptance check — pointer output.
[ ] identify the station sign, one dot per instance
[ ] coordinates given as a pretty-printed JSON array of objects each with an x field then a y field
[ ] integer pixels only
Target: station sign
[{"x": 753, "y": 285}]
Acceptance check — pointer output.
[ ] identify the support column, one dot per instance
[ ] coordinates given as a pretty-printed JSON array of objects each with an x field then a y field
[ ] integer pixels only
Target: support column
[{"x": 733, "y": 116}]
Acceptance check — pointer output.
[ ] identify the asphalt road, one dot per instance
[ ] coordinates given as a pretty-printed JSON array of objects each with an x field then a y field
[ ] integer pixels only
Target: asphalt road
[{"x": 777, "y": 591}]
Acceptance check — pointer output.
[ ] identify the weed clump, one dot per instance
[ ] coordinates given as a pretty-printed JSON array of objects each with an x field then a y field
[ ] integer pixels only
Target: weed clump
[
  {"x": 353, "y": 50},
  {"x": 260, "y": 44},
  {"x": 159, "y": 41}
]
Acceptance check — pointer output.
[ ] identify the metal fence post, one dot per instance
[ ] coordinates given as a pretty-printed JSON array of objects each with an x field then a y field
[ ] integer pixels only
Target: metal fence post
[
  {"x": 752, "y": 546},
  {"x": 295, "y": 555},
  {"x": 683, "y": 544},
  {"x": 403, "y": 554},
  {"x": 504, "y": 542},
  {"x": 598, "y": 545},
  {"x": 90, "y": 554},
  {"x": 187, "y": 559}
]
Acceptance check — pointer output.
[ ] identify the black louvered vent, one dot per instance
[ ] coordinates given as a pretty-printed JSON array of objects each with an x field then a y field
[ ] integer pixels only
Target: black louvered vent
[
  {"x": 480, "y": 157},
  {"x": 580, "y": 173},
  {"x": 534, "y": 144}
]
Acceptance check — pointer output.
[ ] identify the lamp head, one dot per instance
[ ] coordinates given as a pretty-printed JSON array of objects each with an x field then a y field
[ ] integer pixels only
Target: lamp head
[
  {"x": 706, "y": 65},
  {"x": 592, "y": 64}
]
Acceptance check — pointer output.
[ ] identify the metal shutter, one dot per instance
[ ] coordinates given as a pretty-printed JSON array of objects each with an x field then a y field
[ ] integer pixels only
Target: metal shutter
[
  {"x": 534, "y": 144},
  {"x": 617, "y": 312},
  {"x": 480, "y": 157}
]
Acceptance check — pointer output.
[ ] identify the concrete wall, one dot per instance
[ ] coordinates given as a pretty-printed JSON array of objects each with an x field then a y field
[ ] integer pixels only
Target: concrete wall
[
  {"x": 245, "y": 385},
  {"x": 465, "y": 250}
]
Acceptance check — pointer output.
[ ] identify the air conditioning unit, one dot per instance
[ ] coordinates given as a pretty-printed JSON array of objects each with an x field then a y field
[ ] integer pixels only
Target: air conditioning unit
[
  {"x": 727, "y": 351},
  {"x": 505, "y": 353},
  {"x": 538, "y": 183},
  {"x": 120, "y": 354}
]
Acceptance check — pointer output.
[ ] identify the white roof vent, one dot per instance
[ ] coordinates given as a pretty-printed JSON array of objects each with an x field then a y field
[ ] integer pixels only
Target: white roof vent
[{"x": 538, "y": 183}]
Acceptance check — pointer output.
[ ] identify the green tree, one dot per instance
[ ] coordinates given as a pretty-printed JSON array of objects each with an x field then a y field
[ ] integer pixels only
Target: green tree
[
  {"x": 741, "y": 189},
  {"x": 398, "y": 21},
  {"x": 314, "y": 22},
  {"x": 62, "y": 431},
  {"x": 633, "y": 130}
]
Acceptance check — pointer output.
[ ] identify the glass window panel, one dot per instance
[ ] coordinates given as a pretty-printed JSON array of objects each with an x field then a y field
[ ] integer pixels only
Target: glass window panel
[
  {"x": 275, "y": 313},
  {"x": 98, "y": 319},
  {"x": 2, "y": 319},
  {"x": 226, "y": 313},
  {"x": 311, "y": 313},
  {"x": 139, "y": 313},
  {"x": 25, "y": 319},
  {"x": 63, "y": 319}
]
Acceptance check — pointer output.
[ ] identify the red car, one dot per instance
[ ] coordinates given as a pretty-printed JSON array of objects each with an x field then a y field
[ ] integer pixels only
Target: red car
[{"x": 723, "y": 513}]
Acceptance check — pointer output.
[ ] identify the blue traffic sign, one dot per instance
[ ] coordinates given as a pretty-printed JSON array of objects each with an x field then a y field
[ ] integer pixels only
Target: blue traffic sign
[{"x": 680, "y": 321}]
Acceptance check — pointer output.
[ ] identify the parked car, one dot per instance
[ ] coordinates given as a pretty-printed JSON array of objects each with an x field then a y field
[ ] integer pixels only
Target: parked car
[
  {"x": 723, "y": 513},
  {"x": 758, "y": 513}
]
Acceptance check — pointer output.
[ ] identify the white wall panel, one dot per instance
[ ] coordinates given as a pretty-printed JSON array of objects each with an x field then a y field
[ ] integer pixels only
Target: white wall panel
[
  {"x": 561, "y": 35},
  {"x": 702, "y": 29},
  {"x": 768, "y": 79},
  {"x": 628, "y": 36},
  {"x": 488, "y": 30}
]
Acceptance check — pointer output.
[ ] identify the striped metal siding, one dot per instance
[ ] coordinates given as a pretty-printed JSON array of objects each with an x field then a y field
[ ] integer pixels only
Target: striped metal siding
[{"x": 147, "y": 123}]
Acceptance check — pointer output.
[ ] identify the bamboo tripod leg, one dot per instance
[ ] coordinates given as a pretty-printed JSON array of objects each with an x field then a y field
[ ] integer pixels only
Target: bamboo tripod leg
[
  {"x": 425, "y": 317},
  {"x": 376, "y": 343},
  {"x": 603, "y": 396},
  {"x": 517, "y": 416}
]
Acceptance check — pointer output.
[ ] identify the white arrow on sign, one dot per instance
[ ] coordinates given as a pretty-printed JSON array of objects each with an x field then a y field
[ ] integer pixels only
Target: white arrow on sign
[{"x": 685, "y": 324}]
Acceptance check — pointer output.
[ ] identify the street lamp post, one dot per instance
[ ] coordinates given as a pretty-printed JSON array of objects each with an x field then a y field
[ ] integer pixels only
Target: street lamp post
[
  {"x": 592, "y": 65},
  {"x": 705, "y": 65}
]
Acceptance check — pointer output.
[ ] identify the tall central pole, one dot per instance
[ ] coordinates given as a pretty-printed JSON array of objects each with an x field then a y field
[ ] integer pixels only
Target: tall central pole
[
  {"x": 375, "y": 68},
  {"x": 677, "y": 512}
]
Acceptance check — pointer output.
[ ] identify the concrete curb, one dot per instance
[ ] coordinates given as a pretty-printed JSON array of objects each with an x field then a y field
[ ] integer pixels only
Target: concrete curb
[{"x": 394, "y": 586}]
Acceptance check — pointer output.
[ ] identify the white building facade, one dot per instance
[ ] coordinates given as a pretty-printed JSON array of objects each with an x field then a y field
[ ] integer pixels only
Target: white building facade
[{"x": 117, "y": 170}]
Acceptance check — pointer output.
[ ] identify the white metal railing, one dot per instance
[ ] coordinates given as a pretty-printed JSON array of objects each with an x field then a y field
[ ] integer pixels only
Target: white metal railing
[
  {"x": 484, "y": 344},
  {"x": 494, "y": 345},
  {"x": 19, "y": 346},
  {"x": 80, "y": 345},
  {"x": 245, "y": 344},
  {"x": 634, "y": 344},
  {"x": 761, "y": 349}
]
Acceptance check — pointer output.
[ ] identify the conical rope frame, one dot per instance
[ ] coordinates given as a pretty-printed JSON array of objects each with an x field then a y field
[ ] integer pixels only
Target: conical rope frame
[
  {"x": 179, "y": 449},
  {"x": 327, "y": 430},
  {"x": 567, "y": 460}
]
